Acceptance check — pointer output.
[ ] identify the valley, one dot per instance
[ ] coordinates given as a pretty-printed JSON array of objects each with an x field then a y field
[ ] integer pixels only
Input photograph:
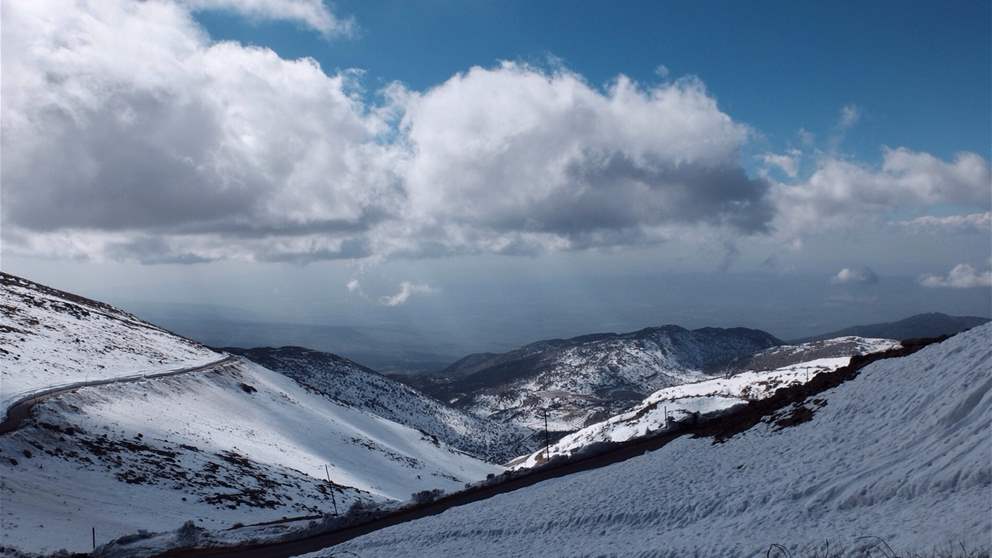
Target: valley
[
  {"x": 230, "y": 443},
  {"x": 286, "y": 443}
]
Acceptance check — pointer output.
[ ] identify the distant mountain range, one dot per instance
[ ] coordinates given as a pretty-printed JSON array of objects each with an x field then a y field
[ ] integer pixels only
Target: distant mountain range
[
  {"x": 752, "y": 378},
  {"x": 585, "y": 379},
  {"x": 491, "y": 404},
  {"x": 588, "y": 378},
  {"x": 933, "y": 324}
]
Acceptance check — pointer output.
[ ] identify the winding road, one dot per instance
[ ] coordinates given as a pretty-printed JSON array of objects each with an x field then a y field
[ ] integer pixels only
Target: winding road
[{"x": 20, "y": 410}]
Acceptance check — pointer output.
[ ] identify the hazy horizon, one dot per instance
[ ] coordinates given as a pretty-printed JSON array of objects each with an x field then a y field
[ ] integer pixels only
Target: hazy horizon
[{"x": 431, "y": 332}]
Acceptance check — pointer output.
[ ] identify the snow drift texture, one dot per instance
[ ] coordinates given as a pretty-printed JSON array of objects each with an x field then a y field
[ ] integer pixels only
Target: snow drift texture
[{"x": 901, "y": 452}]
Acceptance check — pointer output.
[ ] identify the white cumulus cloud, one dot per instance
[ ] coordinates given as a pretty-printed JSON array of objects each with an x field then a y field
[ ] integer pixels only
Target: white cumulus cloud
[
  {"x": 857, "y": 276},
  {"x": 962, "y": 276},
  {"x": 973, "y": 222},
  {"x": 850, "y": 115},
  {"x": 212, "y": 150},
  {"x": 787, "y": 162},
  {"x": 407, "y": 290},
  {"x": 310, "y": 13},
  {"x": 174, "y": 148},
  {"x": 842, "y": 193},
  {"x": 520, "y": 155}
]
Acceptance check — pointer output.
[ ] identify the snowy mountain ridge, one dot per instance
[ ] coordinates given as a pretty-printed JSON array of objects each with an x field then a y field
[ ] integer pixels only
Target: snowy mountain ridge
[
  {"x": 664, "y": 408},
  {"x": 350, "y": 383},
  {"x": 229, "y": 443},
  {"x": 49, "y": 338},
  {"x": 793, "y": 354},
  {"x": 896, "y": 456},
  {"x": 586, "y": 379}
]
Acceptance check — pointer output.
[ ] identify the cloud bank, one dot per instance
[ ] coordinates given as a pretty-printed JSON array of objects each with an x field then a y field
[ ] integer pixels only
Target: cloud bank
[
  {"x": 962, "y": 276},
  {"x": 128, "y": 134},
  {"x": 512, "y": 158},
  {"x": 974, "y": 222},
  {"x": 840, "y": 193}
]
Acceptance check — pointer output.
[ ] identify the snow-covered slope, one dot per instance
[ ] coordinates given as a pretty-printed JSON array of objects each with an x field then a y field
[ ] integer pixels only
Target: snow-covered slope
[
  {"x": 353, "y": 384},
  {"x": 584, "y": 380},
  {"x": 666, "y": 406},
  {"x": 233, "y": 443},
  {"x": 900, "y": 453},
  {"x": 788, "y": 355},
  {"x": 50, "y": 338}
]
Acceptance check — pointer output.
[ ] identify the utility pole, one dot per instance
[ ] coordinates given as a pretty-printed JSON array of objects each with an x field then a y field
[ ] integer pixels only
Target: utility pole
[
  {"x": 547, "y": 439},
  {"x": 333, "y": 499}
]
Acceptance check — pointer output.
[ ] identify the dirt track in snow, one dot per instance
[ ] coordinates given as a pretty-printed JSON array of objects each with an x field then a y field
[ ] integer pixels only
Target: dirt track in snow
[{"x": 20, "y": 410}]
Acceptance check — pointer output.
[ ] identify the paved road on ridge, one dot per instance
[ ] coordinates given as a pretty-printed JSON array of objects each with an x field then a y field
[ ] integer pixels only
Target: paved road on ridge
[{"x": 21, "y": 409}]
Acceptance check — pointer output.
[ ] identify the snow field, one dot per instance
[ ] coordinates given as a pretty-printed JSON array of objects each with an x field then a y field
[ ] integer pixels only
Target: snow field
[{"x": 901, "y": 452}]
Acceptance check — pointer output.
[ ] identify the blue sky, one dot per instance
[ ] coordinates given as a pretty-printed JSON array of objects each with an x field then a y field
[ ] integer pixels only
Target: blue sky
[
  {"x": 479, "y": 175},
  {"x": 919, "y": 71}
]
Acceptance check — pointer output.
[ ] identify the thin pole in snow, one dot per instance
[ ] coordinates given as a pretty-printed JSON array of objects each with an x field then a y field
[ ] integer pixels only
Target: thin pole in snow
[
  {"x": 547, "y": 439},
  {"x": 666, "y": 416},
  {"x": 333, "y": 499},
  {"x": 93, "y": 532}
]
